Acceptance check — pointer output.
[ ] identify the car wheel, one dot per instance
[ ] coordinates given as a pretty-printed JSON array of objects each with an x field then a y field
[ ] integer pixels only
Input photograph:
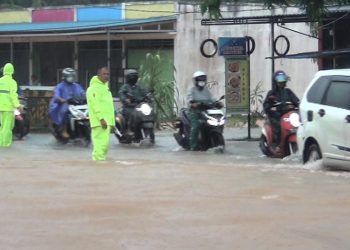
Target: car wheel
[{"x": 313, "y": 153}]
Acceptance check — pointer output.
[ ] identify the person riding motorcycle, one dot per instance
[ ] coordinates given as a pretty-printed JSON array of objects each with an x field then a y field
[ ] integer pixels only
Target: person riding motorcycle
[
  {"x": 197, "y": 95},
  {"x": 66, "y": 92},
  {"x": 279, "y": 94},
  {"x": 131, "y": 94}
]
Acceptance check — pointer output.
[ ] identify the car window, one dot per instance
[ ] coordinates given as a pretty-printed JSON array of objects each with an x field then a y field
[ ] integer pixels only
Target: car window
[
  {"x": 318, "y": 89},
  {"x": 338, "y": 95}
]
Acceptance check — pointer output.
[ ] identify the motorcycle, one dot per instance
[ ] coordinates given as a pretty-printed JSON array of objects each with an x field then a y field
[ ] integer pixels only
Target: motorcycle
[
  {"x": 212, "y": 121},
  {"x": 78, "y": 127},
  {"x": 289, "y": 122},
  {"x": 22, "y": 123},
  {"x": 143, "y": 127}
]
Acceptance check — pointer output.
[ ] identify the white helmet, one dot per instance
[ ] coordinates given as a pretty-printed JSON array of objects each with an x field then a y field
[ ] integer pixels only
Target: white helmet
[{"x": 199, "y": 78}]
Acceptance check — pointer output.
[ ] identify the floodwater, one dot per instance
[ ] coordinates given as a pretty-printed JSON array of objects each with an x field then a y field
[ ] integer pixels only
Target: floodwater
[{"x": 55, "y": 197}]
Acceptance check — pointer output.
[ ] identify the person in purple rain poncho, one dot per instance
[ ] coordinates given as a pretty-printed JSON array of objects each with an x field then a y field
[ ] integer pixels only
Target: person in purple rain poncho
[{"x": 66, "y": 92}]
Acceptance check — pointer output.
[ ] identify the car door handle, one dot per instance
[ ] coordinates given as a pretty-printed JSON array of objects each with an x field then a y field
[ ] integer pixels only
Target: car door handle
[
  {"x": 321, "y": 112},
  {"x": 347, "y": 118},
  {"x": 310, "y": 115}
]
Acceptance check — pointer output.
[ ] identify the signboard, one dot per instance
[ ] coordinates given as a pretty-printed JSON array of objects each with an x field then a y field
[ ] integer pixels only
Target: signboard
[
  {"x": 237, "y": 84},
  {"x": 232, "y": 46}
]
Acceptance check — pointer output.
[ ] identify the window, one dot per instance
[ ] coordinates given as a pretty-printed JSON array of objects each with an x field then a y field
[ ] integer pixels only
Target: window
[
  {"x": 318, "y": 89},
  {"x": 338, "y": 95}
]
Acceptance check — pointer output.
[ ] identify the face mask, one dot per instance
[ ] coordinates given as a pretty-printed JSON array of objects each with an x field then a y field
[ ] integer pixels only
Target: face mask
[
  {"x": 281, "y": 85},
  {"x": 201, "y": 84},
  {"x": 70, "y": 79}
]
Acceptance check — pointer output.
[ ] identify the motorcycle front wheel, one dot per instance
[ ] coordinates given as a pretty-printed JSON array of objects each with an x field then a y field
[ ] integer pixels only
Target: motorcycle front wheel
[
  {"x": 149, "y": 132},
  {"x": 264, "y": 146},
  {"x": 21, "y": 128}
]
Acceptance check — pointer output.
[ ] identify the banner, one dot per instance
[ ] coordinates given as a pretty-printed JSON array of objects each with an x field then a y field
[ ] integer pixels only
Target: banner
[{"x": 237, "y": 85}]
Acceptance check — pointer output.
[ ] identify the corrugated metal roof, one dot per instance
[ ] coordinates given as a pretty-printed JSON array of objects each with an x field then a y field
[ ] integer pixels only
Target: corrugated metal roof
[{"x": 56, "y": 27}]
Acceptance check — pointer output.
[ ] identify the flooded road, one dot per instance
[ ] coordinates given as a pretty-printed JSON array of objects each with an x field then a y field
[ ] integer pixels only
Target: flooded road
[{"x": 54, "y": 197}]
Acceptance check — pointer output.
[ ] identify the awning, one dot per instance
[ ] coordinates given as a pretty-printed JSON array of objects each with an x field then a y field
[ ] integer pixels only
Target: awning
[{"x": 66, "y": 27}]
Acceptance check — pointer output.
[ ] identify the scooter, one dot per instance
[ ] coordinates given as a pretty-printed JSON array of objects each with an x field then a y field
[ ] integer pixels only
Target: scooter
[
  {"x": 289, "y": 123},
  {"x": 143, "y": 127},
  {"x": 78, "y": 127},
  {"x": 22, "y": 123},
  {"x": 212, "y": 121}
]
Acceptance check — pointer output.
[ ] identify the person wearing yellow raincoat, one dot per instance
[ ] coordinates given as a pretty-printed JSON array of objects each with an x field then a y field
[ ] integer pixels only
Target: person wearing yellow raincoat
[
  {"x": 101, "y": 113},
  {"x": 8, "y": 103}
]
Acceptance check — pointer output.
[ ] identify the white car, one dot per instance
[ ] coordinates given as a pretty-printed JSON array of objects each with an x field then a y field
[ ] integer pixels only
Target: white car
[{"x": 325, "y": 119}]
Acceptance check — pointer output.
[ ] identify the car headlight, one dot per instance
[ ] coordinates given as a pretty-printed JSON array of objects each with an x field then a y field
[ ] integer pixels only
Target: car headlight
[{"x": 294, "y": 119}]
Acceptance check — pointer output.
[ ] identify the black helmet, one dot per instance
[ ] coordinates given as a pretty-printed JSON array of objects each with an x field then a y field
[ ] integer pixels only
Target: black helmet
[
  {"x": 68, "y": 75},
  {"x": 131, "y": 76},
  {"x": 280, "y": 78}
]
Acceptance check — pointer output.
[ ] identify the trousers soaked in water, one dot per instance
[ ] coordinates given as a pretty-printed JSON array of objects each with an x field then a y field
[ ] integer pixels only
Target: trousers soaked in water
[
  {"x": 100, "y": 142},
  {"x": 7, "y": 121}
]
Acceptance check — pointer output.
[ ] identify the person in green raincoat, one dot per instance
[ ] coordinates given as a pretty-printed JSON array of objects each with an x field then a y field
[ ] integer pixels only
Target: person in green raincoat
[
  {"x": 8, "y": 103},
  {"x": 101, "y": 113}
]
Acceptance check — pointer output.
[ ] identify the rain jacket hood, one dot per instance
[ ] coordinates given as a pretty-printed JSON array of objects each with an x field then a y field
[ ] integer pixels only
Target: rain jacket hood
[
  {"x": 9, "y": 69},
  {"x": 8, "y": 90}
]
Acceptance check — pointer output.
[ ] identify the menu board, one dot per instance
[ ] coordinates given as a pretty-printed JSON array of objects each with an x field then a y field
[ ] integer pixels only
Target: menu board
[{"x": 237, "y": 84}]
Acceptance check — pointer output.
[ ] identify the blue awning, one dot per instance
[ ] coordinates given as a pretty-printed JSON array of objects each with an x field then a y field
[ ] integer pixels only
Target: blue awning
[{"x": 57, "y": 27}]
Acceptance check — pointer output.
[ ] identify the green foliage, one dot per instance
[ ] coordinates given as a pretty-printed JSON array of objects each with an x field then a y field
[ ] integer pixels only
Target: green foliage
[
  {"x": 212, "y": 7},
  {"x": 257, "y": 98},
  {"x": 315, "y": 9},
  {"x": 164, "y": 91}
]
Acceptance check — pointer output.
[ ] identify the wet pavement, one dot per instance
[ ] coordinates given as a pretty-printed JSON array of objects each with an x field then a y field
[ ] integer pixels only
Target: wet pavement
[{"x": 162, "y": 197}]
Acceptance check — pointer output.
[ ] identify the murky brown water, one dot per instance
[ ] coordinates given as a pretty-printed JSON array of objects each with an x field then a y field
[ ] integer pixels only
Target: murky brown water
[{"x": 56, "y": 198}]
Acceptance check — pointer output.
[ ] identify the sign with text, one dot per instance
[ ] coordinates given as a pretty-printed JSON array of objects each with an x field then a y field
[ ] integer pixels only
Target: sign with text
[
  {"x": 237, "y": 84},
  {"x": 232, "y": 46}
]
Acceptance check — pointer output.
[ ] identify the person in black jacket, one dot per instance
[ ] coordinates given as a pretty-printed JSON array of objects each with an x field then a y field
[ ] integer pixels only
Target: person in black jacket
[
  {"x": 131, "y": 94},
  {"x": 284, "y": 96}
]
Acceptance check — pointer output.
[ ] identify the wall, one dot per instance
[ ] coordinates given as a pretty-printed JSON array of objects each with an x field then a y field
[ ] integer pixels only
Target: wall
[
  {"x": 53, "y": 15},
  {"x": 190, "y": 34},
  {"x": 146, "y": 10},
  {"x": 102, "y": 13},
  {"x": 15, "y": 16}
]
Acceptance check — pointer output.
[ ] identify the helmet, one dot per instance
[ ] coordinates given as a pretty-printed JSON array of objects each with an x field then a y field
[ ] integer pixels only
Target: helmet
[
  {"x": 280, "y": 78},
  {"x": 199, "y": 79},
  {"x": 131, "y": 76},
  {"x": 68, "y": 75}
]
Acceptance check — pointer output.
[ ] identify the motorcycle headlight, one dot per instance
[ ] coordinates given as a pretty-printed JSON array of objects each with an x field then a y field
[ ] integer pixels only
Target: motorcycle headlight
[
  {"x": 212, "y": 122},
  {"x": 294, "y": 119},
  {"x": 145, "y": 109},
  {"x": 77, "y": 113}
]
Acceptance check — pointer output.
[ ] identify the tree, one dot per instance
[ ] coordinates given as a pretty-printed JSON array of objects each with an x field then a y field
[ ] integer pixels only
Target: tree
[
  {"x": 163, "y": 91},
  {"x": 315, "y": 9}
]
